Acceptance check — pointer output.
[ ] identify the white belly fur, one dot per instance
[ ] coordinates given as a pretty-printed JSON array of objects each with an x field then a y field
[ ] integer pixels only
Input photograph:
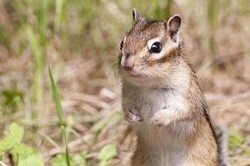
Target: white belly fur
[{"x": 165, "y": 143}]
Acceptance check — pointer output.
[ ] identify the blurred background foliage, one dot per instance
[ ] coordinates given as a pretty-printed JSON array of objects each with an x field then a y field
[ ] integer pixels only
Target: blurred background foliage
[{"x": 78, "y": 39}]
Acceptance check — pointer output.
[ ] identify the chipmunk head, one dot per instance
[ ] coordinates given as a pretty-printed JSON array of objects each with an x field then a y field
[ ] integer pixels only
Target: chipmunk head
[{"x": 148, "y": 50}]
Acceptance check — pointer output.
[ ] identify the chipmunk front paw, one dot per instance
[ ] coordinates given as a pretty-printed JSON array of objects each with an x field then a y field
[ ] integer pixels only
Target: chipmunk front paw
[
  {"x": 133, "y": 115},
  {"x": 161, "y": 118}
]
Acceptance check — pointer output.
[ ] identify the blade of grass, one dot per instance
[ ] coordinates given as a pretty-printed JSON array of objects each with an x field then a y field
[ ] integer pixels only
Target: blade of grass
[
  {"x": 60, "y": 13},
  {"x": 38, "y": 64},
  {"x": 59, "y": 112},
  {"x": 42, "y": 20}
]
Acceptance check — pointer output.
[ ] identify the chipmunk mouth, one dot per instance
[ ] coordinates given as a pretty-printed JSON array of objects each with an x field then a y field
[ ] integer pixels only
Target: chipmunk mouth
[{"x": 132, "y": 73}]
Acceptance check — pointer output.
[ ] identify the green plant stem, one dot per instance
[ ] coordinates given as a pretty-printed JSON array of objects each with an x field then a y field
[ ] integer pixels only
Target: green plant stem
[{"x": 59, "y": 112}]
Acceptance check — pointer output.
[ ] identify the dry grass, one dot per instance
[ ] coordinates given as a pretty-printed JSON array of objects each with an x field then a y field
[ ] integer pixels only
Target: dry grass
[{"x": 77, "y": 48}]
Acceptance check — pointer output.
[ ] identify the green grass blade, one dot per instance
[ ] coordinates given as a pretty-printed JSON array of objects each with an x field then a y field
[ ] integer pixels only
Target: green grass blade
[
  {"x": 38, "y": 64},
  {"x": 60, "y": 13},
  {"x": 59, "y": 112},
  {"x": 42, "y": 20},
  {"x": 56, "y": 98}
]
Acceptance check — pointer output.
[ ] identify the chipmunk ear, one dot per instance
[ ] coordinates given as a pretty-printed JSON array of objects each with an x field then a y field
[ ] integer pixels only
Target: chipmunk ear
[
  {"x": 173, "y": 25},
  {"x": 136, "y": 15}
]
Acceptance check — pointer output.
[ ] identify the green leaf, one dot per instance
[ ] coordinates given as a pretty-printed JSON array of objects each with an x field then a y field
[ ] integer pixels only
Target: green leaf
[
  {"x": 106, "y": 154},
  {"x": 76, "y": 160},
  {"x": 15, "y": 133},
  {"x": 13, "y": 137},
  {"x": 31, "y": 160},
  {"x": 23, "y": 151},
  {"x": 79, "y": 159},
  {"x": 59, "y": 160},
  {"x": 23, "y": 154},
  {"x": 236, "y": 139},
  {"x": 26, "y": 156},
  {"x": 12, "y": 98}
]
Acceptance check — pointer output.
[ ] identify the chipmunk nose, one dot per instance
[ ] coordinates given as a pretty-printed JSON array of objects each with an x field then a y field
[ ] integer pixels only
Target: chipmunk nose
[
  {"x": 127, "y": 67},
  {"x": 127, "y": 63}
]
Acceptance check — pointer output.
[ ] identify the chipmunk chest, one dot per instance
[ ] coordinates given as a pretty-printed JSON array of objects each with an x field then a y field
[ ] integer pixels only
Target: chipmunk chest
[{"x": 151, "y": 101}]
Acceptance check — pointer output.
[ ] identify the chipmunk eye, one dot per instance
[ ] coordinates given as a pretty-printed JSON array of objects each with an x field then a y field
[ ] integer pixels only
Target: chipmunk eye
[{"x": 155, "y": 47}]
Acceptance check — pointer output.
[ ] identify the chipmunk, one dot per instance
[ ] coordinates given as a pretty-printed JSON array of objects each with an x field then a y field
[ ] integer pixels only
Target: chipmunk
[{"x": 162, "y": 99}]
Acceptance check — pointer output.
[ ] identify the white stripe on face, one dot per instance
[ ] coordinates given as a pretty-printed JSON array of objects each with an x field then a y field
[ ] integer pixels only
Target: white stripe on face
[
  {"x": 166, "y": 48},
  {"x": 152, "y": 41}
]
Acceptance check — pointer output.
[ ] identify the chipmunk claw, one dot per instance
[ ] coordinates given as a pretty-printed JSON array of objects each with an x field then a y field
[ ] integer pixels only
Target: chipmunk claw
[
  {"x": 160, "y": 118},
  {"x": 133, "y": 115}
]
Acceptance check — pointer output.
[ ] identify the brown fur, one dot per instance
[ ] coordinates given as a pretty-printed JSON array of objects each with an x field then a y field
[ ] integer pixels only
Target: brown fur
[{"x": 186, "y": 123}]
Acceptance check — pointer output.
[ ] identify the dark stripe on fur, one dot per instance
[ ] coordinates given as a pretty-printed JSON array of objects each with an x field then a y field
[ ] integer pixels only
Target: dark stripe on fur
[{"x": 218, "y": 137}]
